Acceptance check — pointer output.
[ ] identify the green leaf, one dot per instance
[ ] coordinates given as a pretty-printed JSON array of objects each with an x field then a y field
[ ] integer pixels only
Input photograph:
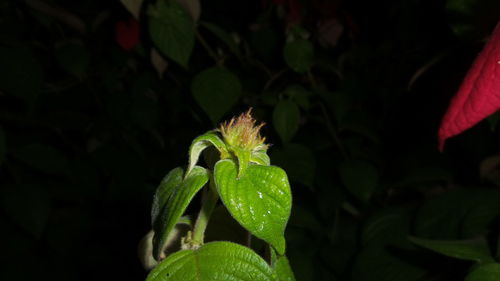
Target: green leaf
[
  {"x": 281, "y": 267},
  {"x": 172, "y": 31},
  {"x": 299, "y": 55},
  {"x": 28, "y": 206},
  {"x": 202, "y": 142},
  {"x": 298, "y": 161},
  {"x": 260, "y": 157},
  {"x": 485, "y": 272},
  {"x": 260, "y": 200},
  {"x": 20, "y": 75},
  {"x": 377, "y": 263},
  {"x": 474, "y": 250},
  {"x": 3, "y": 146},
  {"x": 216, "y": 90},
  {"x": 243, "y": 157},
  {"x": 286, "y": 117},
  {"x": 214, "y": 261},
  {"x": 167, "y": 186},
  {"x": 176, "y": 205},
  {"x": 360, "y": 177},
  {"x": 43, "y": 158}
]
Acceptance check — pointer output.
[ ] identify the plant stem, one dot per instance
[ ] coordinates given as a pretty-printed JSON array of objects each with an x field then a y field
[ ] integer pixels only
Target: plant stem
[
  {"x": 209, "y": 201},
  {"x": 205, "y": 45}
]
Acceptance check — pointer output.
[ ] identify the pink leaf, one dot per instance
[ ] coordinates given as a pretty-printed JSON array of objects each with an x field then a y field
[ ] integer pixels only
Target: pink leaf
[{"x": 479, "y": 94}]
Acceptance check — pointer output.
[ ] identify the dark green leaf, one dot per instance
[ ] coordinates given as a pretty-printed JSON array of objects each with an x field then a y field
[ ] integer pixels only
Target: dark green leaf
[
  {"x": 43, "y": 158},
  {"x": 167, "y": 186},
  {"x": 389, "y": 226},
  {"x": 260, "y": 200},
  {"x": 298, "y": 161},
  {"x": 299, "y": 95},
  {"x": 377, "y": 263},
  {"x": 20, "y": 74},
  {"x": 216, "y": 90},
  {"x": 176, "y": 206},
  {"x": 474, "y": 250},
  {"x": 286, "y": 117},
  {"x": 214, "y": 261},
  {"x": 73, "y": 57},
  {"x": 28, "y": 206},
  {"x": 360, "y": 177},
  {"x": 485, "y": 272},
  {"x": 172, "y": 30},
  {"x": 299, "y": 55}
]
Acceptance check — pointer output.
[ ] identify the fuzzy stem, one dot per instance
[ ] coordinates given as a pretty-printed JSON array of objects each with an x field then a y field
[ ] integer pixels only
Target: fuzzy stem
[{"x": 209, "y": 201}]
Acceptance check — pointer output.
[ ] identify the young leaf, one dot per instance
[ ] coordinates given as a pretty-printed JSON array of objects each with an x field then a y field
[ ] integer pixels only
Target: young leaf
[
  {"x": 260, "y": 200},
  {"x": 172, "y": 31},
  {"x": 202, "y": 142},
  {"x": 214, "y": 261},
  {"x": 167, "y": 186},
  {"x": 260, "y": 157},
  {"x": 281, "y": 267},
  {"x": 216, "y": 90},
  {"x": 286, "y": 117},
  {"x": 299, "y": 55},
  {"x": 474, "y": 250},
  {"x": 360, "y": 178},
  {"x": 485, "y": 272},
  {"x": 176, "y": 205}
]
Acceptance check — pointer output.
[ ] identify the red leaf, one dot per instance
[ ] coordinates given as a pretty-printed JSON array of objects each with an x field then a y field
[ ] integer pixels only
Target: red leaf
[
  {"x": 479, "y": 94},
  {"x": 127, "y": 34}
]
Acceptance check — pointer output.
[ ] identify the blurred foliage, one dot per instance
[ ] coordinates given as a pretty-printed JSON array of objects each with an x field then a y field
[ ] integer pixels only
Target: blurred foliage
[{"x": 352, "y": 91}]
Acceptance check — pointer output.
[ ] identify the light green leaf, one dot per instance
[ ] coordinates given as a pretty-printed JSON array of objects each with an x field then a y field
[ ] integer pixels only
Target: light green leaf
[
  {"x": 214, "y": 261},
  {"x": 260, "y": 200},
  {"x": 299, "y": 55},
  {"x": 286, "y": 117},
  {"x": 216, "y": 90},
  {"x": 172, "y": 31},
  {"x": 281, "y": 267},
  {"x": 167, "y": 186},
  {"x": 243, "y": 157},
  {"x": 474, "y": 250},
  {"x": 486, "y": 272},
  {"x": 360, "y": 177},
  {"x": 260, "y": 157},
  {"x": 202, "y": 142},
  {"x": 176, "y": 206}
]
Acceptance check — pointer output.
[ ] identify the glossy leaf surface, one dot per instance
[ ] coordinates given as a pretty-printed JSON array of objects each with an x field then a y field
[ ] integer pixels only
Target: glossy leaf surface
[
  {"x": 176, "y": 205},
  {"x": 214, "y": 261},
  {"x": 260, "y": 200}
]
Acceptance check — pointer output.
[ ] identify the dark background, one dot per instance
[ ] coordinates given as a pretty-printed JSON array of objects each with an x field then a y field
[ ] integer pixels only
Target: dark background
[{"x": 88, "y": 129}]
